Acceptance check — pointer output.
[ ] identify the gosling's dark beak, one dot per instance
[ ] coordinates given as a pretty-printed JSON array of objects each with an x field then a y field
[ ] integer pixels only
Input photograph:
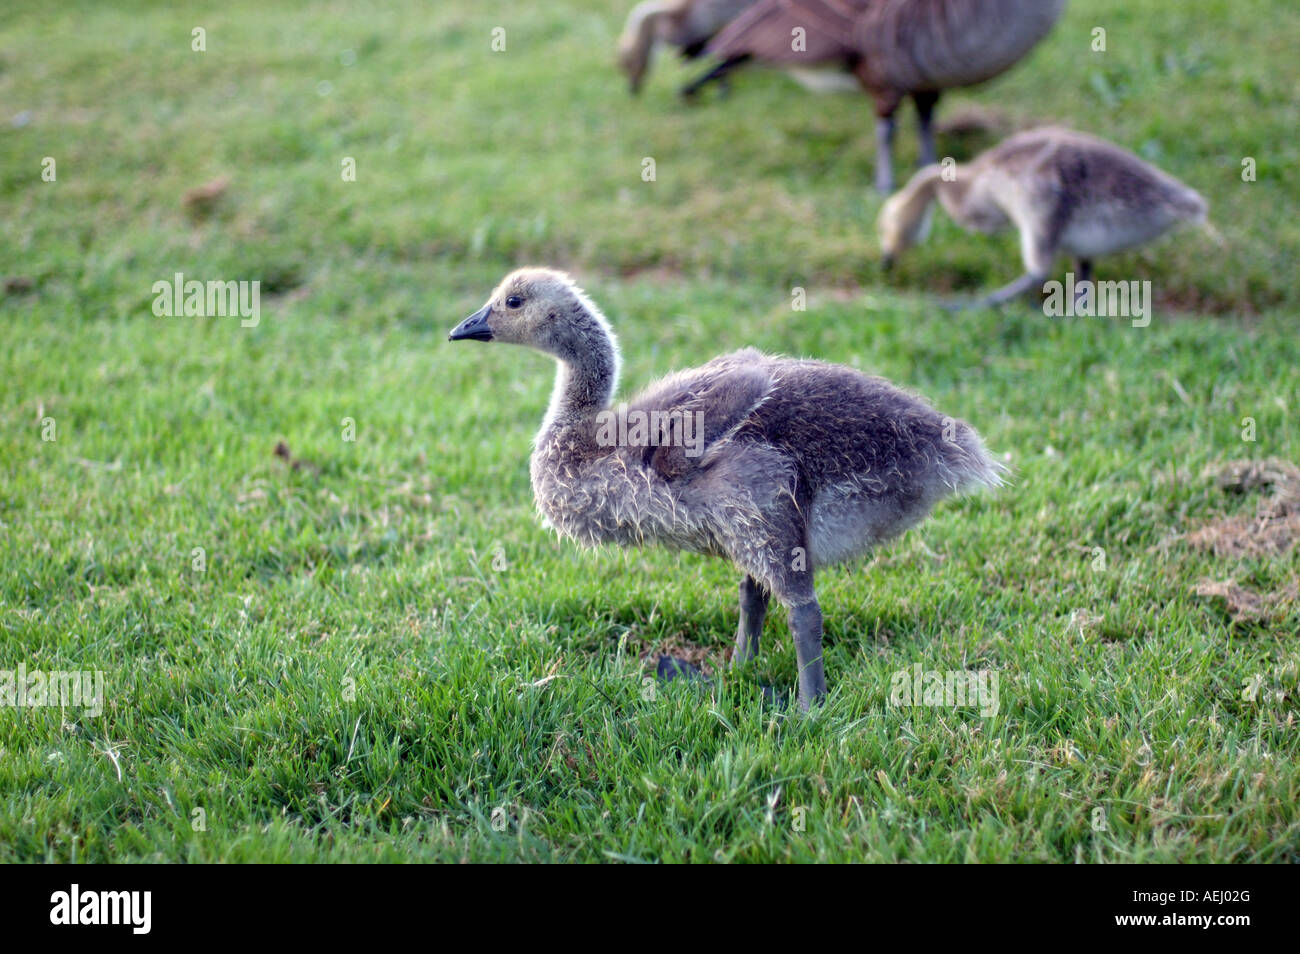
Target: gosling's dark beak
[{"x": 473, "y": 328}]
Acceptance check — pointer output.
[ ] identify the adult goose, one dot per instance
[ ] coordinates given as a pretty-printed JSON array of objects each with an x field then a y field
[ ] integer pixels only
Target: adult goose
[
  {"x": 783, "y": 466},
  {"x": 896, "y": 49}
]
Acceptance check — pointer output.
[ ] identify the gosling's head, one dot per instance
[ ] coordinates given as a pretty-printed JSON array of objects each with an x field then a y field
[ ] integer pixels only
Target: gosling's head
[
  {"x": 543, "y": 309},
  {"x": 636, "y": 45},
  {"x": 903, "y": 222},
  {"x": 633, "y": 61}
]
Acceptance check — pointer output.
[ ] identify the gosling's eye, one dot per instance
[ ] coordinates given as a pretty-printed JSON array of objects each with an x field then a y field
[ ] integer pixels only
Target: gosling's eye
[{"x": 514, "y": 301}]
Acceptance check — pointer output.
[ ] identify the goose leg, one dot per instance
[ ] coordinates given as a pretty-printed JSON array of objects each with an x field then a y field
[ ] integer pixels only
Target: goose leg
[
  {"x": 753, "y": 609},
  {"x": 1038, "y": 248},
  {"x": 925, "y": 103},
  {"x": 806, "y": 625},
  {"x": 885, "y": 126},
  {"x": 1021, "y": 286},
  {"x": 782, "y": 561},
  {"x": 717, "y": 73},
  {"x": 1082, "y": 277}
]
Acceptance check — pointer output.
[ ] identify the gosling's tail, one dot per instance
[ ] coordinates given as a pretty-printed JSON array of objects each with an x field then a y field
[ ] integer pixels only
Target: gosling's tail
[{"x": 970, "y": 465}]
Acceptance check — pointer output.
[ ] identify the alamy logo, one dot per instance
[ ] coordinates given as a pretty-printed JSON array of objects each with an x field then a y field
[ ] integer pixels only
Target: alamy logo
[
  {"x": 103, "y": 907},
  {"x": 953, "y": 689},
  {"x": 216, "y": 299},
  {"x": 1089, "y": 299},
  {"x": 34, "y": 689},
  {"x": 623, "y": 428}
]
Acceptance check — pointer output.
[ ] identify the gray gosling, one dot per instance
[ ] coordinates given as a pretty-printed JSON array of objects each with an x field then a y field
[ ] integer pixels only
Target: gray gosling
[
  {"x": 685, "y": 24},
  {"x": 895, "y": 48},
  {"x": 1065, "y": 191},
  {"x": 783, "y": 466}
]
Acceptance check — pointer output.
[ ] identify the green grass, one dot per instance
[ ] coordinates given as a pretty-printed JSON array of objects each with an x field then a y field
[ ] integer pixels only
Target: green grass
[{"x": 351, "y": 679}]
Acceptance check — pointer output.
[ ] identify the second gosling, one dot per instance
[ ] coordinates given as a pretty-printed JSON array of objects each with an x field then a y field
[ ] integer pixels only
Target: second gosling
[
  {"x": 783, "y": 466},
  {"x": 1066, "y": 192}
]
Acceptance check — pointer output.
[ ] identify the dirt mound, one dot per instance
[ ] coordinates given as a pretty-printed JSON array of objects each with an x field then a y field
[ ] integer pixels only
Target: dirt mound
[
  {"x": 1249, "y": 606},
  {"x": 1275, "y": 527}
]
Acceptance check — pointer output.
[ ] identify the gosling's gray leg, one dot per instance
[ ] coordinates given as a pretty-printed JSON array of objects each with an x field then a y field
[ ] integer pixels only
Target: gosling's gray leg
[
  {"x": 753, "y": 609},
  {"x": 925, "y": 103},
  {"x": 885, "y": 126},
  {"x": 806, "y": 625},
  {"x": 1021, "y": 286},
  {"x": 1082, "y": 277}
]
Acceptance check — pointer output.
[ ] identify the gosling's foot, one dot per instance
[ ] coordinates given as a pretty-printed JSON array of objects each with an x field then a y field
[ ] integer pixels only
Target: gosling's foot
[{"x": 668, "y": 668}]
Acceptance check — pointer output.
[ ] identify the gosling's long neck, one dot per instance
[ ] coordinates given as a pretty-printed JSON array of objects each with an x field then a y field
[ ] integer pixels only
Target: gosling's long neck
[
  {"x": 638, "y": 39},
  {"x": 954, "y": 191},
  {"x": 916, "y": 197},
  {"x": 930, "y": 184},
  {"x": 587, "y": 375}
]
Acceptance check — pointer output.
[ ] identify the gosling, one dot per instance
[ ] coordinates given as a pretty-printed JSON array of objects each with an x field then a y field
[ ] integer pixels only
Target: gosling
[
  {"x": 783, "y": 466},
  {"x": 1065, "y": 191},
  {"x": 687, "y": 25}
]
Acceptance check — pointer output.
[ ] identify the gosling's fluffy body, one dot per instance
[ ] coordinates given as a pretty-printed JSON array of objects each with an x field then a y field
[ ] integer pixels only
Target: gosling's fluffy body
[
  {"x": 1067, "y": 192},
  {"x": 777, "y": 432},
  {"x": 803, "y": 463}
]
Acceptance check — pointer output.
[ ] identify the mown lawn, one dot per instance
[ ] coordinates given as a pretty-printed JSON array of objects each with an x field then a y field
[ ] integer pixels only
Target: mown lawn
[{"x": 380, "y": 655}]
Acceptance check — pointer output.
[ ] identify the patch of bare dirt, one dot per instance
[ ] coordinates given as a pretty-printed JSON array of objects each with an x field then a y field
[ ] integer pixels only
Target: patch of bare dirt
[
  {"x": 1246, "y": 605},
  {"x": 1272, "y": 473},
  {"x": 202, "y": 200},
  {"x": 1241, "y": 537},
  {"x": 1275, "y": 527},
  {"x": 701, "y": 657}
]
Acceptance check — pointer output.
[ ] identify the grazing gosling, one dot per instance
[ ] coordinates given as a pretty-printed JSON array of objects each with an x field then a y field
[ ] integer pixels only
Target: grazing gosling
[
  {"x": 685, "y": 24},
  {"x": 783, "y": 466},
  {"x": 1065, "y": 191}
]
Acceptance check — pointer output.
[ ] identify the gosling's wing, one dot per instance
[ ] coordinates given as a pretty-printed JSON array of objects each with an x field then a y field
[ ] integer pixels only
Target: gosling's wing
[
  {"x": 695, "y": 412},
  {"x": 766, "y": 31}
]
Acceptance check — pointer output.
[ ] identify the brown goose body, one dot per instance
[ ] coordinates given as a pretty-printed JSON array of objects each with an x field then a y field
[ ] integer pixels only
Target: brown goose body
[
  {"x": 780, "y": 465},
  {"x": 896, "y": 48}
]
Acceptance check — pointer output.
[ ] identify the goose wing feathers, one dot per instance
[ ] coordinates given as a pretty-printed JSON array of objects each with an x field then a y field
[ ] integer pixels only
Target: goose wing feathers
[
  {"x": 693, "y": 413},
  {"x": 766, "y": 31}
]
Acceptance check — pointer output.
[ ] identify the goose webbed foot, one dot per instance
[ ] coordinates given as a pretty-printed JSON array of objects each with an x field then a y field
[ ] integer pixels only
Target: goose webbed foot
[
  {"x": 1021, "y": 287},
  {"x": 782, "y": 702},
  {"x": 669, "y": 668}
]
